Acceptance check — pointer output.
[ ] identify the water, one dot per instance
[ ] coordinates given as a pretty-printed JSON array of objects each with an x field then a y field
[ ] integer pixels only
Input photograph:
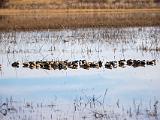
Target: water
[{"x": 126, "y": 85}]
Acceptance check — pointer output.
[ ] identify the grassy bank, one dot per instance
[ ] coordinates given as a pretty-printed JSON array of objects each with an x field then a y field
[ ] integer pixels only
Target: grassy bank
[
  {"x": 79, "y": 4},
  {"x": 70, "y": 11},
  {"x": 76, "y": 18}
]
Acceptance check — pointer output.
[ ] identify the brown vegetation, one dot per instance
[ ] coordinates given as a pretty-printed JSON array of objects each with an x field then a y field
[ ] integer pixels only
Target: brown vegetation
[
  {"x": 56, "y": 14},
  {"x": 54, "y": 19},
  {"x": 87, "y": 4}
]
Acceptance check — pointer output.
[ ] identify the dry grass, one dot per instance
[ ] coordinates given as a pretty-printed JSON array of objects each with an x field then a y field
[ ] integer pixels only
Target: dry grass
[
  {"x": 53, "y": 11},
  {"x": 76, "y": 18},
  {"x": 35, "y": 1},
  {"x": 85, "y": 4}
]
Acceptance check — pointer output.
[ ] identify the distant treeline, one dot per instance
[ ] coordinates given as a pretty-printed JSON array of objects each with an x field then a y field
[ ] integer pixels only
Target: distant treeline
[{"x": 30, "y": 4}]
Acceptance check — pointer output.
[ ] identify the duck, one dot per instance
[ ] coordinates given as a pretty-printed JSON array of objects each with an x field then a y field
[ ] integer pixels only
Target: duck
[
  {"x": 94, "y": 65},
  {"x": 152, "y": 62},
  {"x": 39, "y": 62},
  {"x": 73, "y": 66},
  {"x": 38, "y": 65},
  {"x": 15, "y": 64},
  {"x": 65, "y": 62},
  {"x": 142, "y": 63},
  {"x": 114, "y": 64},
  {"x": 100, "y": 63},
  {"x": 108, "y": 65},
  {"x": 32, "y": 64},
  {"x": 54, "y": 65},
  {"x": 75, "y": 63},
  {"x": 69, "y": 64},
  {"x": 25, "y": 64},
  {"x": 81, "y": 62},
  {"x": 121, "y": 63},
  {"x": 85, "y": 65},
  {"x": 42, "y": 64},
  {"x": 136, "y": 63},
  {"x": 62, "y": 65},
  {"x": 47, "y": 66},
  {"x": 84, "y": 61},
  {"x": 129, "y": 62}
]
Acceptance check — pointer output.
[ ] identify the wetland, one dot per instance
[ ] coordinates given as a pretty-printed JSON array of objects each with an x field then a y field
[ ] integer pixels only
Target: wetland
[
  {"x": 79, "y": 60},
  {"x": 129, "y": 90}
]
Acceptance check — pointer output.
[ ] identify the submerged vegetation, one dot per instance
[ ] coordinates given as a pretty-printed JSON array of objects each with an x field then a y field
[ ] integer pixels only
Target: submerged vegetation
[{"x": 85, "y": 107}]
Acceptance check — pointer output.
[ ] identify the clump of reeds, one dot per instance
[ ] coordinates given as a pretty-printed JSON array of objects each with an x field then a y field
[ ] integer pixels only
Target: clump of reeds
[
  {"x": 79, "y": 4},
  {"x": 85, "y": 107},
  {"x": 29, "y": 21}
]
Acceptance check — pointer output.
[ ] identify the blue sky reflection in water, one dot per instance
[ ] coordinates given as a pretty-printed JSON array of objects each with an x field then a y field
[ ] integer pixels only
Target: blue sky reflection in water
[
  {"x": 104, "y": 44},
  {"x": 126, "y": 87}
]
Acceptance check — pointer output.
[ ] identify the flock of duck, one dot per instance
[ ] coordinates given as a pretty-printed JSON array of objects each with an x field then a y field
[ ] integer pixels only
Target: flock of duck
[{"x": 49, "y": 65}]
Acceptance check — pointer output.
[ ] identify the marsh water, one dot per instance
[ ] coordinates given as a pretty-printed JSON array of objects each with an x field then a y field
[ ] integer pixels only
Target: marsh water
[{"x": 127, "y": 85}]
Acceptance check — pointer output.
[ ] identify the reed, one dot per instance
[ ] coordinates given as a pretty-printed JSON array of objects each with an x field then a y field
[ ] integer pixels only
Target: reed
[
  {"x": 77, "y": 19},
  {"x": 84, "y": 107},
  {"x": 68, "y": 4}
]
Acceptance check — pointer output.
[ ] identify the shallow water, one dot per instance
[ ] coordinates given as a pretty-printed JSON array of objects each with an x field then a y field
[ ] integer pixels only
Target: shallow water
[{"x": 106, "y": 44}]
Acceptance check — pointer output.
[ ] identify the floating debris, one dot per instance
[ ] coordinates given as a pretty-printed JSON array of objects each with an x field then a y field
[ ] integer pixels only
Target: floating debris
[{"x": 49, "y": 65}]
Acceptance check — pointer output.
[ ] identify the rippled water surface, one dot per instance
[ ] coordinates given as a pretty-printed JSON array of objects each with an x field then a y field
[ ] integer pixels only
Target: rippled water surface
[{"x": 125, "y": 85}]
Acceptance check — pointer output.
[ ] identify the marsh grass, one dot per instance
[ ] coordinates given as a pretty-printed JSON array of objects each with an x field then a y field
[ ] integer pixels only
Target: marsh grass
[
  {"x": 75, "y": 4},
  {"x": 91, "y": 42},
  {"x": 84, "y": 107},
  {"x": 36, "y": 21}
]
